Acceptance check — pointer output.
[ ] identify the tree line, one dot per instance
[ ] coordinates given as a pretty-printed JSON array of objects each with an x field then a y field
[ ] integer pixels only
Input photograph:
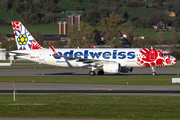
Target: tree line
[
  {"x": 112, "y": 26},
  {"x": 109, "y": 17},
  {"x": 46, "y": 11},
  {"x": 83, "y": 35}
]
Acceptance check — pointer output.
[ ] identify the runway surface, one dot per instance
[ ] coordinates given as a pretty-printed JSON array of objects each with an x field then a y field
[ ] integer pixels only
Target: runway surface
[
  {"x": 89, "y": 89},
  {"x": 84, "y": 71}
]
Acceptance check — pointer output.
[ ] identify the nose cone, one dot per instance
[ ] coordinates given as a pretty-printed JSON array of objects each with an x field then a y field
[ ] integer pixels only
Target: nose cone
[
  {"x": 175, "y": 60},
  {"x": 171, "y": 60}
]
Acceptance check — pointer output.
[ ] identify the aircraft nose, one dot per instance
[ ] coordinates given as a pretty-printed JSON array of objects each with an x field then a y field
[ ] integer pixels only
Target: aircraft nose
[{"x": 175, "y": 60}]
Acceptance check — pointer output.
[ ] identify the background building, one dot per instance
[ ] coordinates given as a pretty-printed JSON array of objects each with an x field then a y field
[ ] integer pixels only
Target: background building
[
  {"x": 2, "y": 54},
  {"x": 64, "y": 24}
]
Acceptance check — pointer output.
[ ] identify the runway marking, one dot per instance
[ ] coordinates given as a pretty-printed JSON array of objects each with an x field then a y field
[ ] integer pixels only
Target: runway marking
[{"x": 105, "y": 88}]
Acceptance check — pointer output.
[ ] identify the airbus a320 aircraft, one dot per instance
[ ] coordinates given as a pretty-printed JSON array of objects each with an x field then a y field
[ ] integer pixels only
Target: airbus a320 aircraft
[{"x": 106, "y": 60}]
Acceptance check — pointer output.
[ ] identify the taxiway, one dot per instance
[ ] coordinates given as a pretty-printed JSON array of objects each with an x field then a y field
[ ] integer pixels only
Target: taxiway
[
  {"x": 82, "y": 71},
  {"x": 31, "y": 88}
]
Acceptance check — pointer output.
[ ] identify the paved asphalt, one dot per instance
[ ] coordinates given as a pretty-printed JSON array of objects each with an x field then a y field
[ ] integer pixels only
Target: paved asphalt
[
  {"x": 27, "y": 88},
  {"x": 32, "y": 88},
  {"x": 86, "y": 89},
  {"x": 83, "y": 71}
]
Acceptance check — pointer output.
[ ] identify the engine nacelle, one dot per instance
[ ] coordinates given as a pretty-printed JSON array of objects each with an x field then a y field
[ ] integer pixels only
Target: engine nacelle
[
  {"x": 111, "y": 68},
  {"x": 126, "y": 69}
]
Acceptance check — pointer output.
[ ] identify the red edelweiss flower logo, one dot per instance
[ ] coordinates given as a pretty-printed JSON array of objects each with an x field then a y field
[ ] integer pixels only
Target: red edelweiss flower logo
[
  {"x": 153, "y": 58},
  {"x": 16, "y": 26}
]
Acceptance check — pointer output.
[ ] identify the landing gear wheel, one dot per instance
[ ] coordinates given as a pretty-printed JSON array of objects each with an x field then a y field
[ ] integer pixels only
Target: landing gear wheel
[
  {"x": 153, "y": 73},
  {"x": 92, "y": 73},
  {"x": 100, "y": 72}
]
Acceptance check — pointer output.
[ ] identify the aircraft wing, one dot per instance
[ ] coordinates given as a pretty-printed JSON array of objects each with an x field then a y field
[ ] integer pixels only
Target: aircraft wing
[{"x": 81, "y": 59}]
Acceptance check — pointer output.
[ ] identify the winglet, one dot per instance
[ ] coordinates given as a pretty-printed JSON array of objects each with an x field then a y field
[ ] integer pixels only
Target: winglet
[
  {"x": 55, "y": 53},
  {"x": 93, "y": 46},
  {"x": 151, "y": 47}
]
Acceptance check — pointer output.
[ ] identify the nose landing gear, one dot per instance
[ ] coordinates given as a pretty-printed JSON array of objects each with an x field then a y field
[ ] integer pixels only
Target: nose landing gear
[{"x": 153, "y": 71}]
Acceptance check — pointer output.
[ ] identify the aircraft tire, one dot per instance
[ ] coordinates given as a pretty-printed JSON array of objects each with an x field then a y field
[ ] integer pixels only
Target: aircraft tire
[
  {"x": 100, "y": 72},
  {"x": 92, "y": 73}
]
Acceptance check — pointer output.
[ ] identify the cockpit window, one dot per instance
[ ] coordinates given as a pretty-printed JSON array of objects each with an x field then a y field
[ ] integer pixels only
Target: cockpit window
[{"x": 165, "y": 54}]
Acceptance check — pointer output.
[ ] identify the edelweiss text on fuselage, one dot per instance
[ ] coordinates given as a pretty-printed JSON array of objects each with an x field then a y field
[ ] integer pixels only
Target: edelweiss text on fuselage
[{"x": 96, "y": 55}]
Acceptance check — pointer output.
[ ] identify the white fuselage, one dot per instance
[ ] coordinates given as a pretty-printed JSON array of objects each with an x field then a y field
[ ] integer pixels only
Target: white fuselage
[{"x": 127, "y": 57}]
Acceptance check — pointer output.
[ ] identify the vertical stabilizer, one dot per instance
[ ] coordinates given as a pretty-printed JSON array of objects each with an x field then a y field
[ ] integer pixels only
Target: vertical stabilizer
[{"x": 24, "y": 39}]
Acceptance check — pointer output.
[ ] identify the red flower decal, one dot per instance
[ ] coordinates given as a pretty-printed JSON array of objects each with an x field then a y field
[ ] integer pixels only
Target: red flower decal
[
  {"x": 154, "y": 58},
  {"x": 16, "y": 26}
]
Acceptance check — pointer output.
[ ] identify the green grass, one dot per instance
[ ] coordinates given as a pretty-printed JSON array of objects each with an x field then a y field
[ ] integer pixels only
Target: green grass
[
  {"x": 140, "y": 12},
  {"x": 8, "y": 15},
  {"x": 144, "y": 32},
  {"x": 53, "y": 29},
  {"x": 113, "y": 80},
  {"x": 70, "y": 4},
  {"x": 90, "y": 106},
  {"x": 42, "y": 29},
  {"x": 149, "y": 32}
]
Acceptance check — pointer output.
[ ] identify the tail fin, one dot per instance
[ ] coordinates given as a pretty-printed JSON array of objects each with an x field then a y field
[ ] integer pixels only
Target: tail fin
[{"x": 24, "y": 39}]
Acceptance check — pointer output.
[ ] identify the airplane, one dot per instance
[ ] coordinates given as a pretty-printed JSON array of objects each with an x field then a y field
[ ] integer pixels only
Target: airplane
[{"x": 105, "y": 60}]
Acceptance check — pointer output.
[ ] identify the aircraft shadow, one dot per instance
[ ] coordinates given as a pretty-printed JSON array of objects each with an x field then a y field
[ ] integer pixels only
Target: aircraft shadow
[
  {"x": 93, "y": 91},
  {"x": 76, "y": 74}
]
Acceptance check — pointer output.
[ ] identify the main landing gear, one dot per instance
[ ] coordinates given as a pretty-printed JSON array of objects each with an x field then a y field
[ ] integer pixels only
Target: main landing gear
[
  {"x": 92, "y": 72},
  {"x": 100, "y": 72},
  {"x": 153, "y": 71}
]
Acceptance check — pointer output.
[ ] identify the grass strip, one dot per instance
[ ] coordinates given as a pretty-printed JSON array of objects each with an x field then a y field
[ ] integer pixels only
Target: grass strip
[
  {"x": 90, "y": 106},
  {"x": 113, "y": 80}
]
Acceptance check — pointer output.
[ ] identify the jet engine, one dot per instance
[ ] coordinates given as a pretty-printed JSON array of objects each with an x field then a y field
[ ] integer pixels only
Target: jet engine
[
  {"x": 111, "y": 68},
  {"x": 116, "y": 68}
]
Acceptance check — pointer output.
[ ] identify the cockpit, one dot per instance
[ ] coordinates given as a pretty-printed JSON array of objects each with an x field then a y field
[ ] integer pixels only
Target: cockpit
[{"x": 165, "y": 54}]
